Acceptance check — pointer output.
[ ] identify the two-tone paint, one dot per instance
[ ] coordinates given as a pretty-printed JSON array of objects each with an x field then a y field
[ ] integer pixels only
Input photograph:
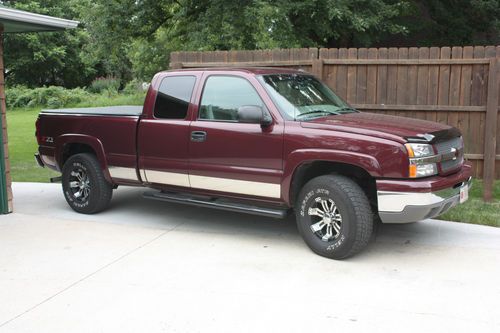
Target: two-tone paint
[{"x": 238, "y": 160}]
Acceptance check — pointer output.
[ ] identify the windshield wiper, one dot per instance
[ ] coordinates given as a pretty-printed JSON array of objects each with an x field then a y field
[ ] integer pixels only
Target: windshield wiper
[
  {"x": 347, "y": 108},
  {"x": 316, "y": 111}
]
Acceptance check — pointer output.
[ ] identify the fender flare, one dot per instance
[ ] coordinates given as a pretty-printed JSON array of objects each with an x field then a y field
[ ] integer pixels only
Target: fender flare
[
  {"x": 303, "y": 156},
  {"x": 65, "y": 139}
]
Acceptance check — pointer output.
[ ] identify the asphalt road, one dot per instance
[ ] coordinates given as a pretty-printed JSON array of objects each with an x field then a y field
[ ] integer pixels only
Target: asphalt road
[{"x": 147, "y": 266}]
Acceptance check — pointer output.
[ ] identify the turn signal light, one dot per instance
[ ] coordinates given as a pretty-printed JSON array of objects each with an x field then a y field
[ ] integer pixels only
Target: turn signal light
[{"x": 413, "y": 171}]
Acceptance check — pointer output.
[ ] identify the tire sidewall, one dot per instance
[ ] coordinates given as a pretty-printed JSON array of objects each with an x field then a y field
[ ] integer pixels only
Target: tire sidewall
[{"x": 340, "y": 246}]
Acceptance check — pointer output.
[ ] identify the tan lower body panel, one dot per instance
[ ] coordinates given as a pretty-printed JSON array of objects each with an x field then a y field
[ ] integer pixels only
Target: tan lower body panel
[
  {"x": 168, "y": 178},
  {"x": 236, "y": 186},
  {"x": 228, "y": 185},
  {"x": 123, "y": 173}
]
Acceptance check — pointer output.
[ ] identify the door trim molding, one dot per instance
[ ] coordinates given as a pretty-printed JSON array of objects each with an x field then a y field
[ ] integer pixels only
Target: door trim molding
[
  {"x": 122, "y": 172},
  {"x": 167, "y": 178},
  {"x": 260, "y": 189}
]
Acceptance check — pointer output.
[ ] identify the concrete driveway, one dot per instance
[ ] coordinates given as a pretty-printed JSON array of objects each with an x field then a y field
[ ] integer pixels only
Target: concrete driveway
[{"x": 145, "y": 266}]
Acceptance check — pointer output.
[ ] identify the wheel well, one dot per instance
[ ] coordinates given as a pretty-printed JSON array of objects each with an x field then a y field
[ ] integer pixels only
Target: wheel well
[
  {"x": 310, "y": 170},
  {"x": 71, "y": 149}
]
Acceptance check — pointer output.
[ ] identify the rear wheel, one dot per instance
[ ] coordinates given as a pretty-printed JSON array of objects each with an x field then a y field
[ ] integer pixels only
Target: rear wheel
[
  {"x": 334, "y": 216},
  {"x": 84, "y": 186}
]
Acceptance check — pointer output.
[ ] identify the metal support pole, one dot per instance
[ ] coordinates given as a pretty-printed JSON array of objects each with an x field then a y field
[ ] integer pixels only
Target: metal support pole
[{"x": 5, "y": 185}]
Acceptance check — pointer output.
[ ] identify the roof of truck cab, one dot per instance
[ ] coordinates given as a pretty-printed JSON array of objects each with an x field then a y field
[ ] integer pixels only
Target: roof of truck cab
[{"x": 249, "y": 70}]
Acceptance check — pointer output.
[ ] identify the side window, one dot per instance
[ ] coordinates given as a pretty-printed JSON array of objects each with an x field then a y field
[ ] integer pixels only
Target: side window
[
  {"x": 223, "y": 95},
  {"x": 173, "y": 97}
]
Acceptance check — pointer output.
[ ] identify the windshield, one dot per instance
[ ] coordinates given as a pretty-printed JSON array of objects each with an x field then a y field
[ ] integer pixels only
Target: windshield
[{"x": 303, "y": 97}]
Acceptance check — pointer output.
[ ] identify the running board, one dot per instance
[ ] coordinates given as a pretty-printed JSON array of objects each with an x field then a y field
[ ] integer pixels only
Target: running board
[
  {"x": 56, "y": 179},
  {"x": 217, "y": 204}
]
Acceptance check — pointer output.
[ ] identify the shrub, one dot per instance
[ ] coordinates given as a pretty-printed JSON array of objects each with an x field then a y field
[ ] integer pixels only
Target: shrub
[
  {"x": 52, "y": 97},
  {"x": 75, "y": 96},
  {"x": 57, "y": 97},
  {"x": 105, "y": 84},
  {"x": 133, "y": 87},
  {"x": 136, "y": 87},
  {"x": 54, "y": 103}
]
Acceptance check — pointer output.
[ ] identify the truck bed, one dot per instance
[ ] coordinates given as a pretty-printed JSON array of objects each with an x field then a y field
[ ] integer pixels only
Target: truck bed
[
  {"x": 124, "y": 110},
  {"x": 109, "y": 131}
]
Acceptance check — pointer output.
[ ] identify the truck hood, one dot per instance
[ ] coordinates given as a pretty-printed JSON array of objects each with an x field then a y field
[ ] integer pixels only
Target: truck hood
[{"x": 393, "y": 128}]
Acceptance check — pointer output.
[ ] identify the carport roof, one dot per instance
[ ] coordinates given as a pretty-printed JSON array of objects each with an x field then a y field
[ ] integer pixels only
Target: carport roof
[{"x": 14, "y": 20}]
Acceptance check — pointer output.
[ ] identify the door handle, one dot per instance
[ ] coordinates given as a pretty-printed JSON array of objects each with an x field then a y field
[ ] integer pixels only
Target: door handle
[{"x": 198, "y": 136}]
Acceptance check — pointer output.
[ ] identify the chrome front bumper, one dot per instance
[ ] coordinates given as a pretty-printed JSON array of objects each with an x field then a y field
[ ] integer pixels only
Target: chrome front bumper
[{"x": 407, "y": 207}]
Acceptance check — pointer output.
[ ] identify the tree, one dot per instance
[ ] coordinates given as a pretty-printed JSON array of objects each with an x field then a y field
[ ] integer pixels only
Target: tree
[
  {"x": 133, "y": 38},
  {"x": 143, "y": 32},
  {"x": 252, "y": 24},
  {"x": 453, "y": 22},
  {"x": 50, "y": 58},
  {"x": 344, "y": 23},
  {"x": 110, "y": 26}
]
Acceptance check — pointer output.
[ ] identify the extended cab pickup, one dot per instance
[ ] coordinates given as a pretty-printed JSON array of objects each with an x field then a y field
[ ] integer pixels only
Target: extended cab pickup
[{"x": 264, "y": 141}]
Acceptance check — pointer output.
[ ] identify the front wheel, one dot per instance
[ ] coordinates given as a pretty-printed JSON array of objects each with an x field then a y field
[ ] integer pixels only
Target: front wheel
[
  {"x": 334, "y": 216},
  {"x": 84, "y": 186}
]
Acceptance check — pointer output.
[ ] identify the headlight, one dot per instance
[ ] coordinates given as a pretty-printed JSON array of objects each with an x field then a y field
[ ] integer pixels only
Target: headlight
[
  {"x": 421, "y": 158},
  {"x": 419, "y": 149}
]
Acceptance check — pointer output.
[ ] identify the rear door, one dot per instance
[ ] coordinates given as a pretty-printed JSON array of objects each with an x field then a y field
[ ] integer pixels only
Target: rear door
[
  {"x": 163, "y": 139},
  {"x": 229, "y": 156}
]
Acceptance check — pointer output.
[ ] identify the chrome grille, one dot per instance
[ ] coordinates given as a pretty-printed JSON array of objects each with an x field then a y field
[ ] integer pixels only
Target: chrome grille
[{"x": 445, "y": 147}]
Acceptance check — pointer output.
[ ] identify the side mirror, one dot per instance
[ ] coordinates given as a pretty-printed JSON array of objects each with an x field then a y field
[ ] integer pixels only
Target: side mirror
[{"x": 253, "y": 114}]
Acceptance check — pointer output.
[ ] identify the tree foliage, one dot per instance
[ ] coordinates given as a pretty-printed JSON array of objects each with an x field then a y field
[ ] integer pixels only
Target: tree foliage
[
  {"x": 50, "y": 58},
  {"x": 454, "y": 22},
  {"x": 149, "y": 29},
  {"x": 133, "y": 38}
]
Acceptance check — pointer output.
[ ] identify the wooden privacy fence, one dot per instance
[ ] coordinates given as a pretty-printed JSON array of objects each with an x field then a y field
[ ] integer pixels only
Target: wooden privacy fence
[{"x": 458, "y": 86}]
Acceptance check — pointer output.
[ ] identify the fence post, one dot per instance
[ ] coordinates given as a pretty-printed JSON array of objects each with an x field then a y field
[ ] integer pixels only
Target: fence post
[
  {"x": 490, "y": 131},
  {"x": 175, "y": 60},
  {"x": 176, "y": 65},
  {"x": 317, "y": 68}
]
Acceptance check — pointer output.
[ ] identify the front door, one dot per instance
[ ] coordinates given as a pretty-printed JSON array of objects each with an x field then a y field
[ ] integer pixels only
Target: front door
[{"x": 232, "y": 157}]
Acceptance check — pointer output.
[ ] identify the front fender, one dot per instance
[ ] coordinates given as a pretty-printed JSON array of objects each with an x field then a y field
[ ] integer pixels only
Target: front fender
[
  {"x": 302, "y": 156},
  {"x": 93, "y": 142}
]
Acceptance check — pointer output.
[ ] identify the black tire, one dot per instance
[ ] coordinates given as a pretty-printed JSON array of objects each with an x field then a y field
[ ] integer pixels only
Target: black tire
[
  {"x": 348, "y": 224},
  {"x": 84, "y": 186}
]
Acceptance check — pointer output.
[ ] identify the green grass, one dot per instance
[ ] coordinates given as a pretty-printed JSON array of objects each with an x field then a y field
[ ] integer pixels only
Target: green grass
[
  {"x": 475, "y": 210},
  {"x": 22, "y": 146},
  {"x": 22, "y": 141}
]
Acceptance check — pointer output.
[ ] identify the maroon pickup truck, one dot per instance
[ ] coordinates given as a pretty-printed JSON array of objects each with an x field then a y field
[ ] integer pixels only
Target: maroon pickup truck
[{"x": 263, "y": 141}]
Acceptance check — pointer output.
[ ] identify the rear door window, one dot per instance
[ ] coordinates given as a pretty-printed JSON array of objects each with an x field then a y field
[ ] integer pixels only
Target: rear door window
[{"x": 174, "y": 94}]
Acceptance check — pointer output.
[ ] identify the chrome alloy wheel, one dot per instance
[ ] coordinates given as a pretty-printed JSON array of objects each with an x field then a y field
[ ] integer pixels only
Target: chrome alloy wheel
[
  {"x": 79, "y": 184},
  {"x": 326, "y": 221}
]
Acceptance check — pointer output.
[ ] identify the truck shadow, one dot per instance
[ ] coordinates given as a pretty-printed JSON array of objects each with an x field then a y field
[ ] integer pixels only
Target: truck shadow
[
  {"x": 387, "y": 238},
  {"x": 168, "y": 215}
]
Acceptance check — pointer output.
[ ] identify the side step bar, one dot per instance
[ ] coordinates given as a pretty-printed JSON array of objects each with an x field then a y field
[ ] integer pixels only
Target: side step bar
[
  {"x": 56, "y": 179},
  {"x": 217, "y": 204}
]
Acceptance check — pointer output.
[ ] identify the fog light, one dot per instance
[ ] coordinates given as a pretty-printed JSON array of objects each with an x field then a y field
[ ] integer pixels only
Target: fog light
[{"x": 424, "y": 170}]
